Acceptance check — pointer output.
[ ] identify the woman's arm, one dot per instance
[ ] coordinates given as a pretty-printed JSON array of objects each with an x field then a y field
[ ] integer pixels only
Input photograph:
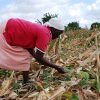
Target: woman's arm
[{"x": 39, "y": 56}]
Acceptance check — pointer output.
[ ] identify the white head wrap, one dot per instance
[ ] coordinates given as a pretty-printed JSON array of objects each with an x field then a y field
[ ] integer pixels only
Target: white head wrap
[{"x": 55, "y": 23}]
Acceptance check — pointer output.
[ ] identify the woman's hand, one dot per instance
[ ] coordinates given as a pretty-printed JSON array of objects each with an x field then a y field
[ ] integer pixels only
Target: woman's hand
[{"x": 61, "y": 70}]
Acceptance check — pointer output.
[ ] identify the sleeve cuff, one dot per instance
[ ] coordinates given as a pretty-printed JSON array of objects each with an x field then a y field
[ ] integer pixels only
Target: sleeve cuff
[{"x": 35, "y": 49}]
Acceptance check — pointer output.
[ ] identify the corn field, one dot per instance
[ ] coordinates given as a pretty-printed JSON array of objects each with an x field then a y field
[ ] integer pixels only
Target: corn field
[{"x": 78, "y": 52}]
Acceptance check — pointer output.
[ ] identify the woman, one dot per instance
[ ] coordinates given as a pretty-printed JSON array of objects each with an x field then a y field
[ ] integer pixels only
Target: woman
[{"x": 20, "y": 40}]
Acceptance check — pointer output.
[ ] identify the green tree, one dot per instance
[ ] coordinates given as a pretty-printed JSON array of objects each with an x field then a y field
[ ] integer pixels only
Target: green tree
[
  {"x": 95, "y": 25},
  {"x": 46, "y": 17},
  {"x": 72, "y": 26}
]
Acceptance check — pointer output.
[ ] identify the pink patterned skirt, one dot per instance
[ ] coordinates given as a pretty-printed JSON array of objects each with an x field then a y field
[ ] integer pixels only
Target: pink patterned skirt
[{"x": 13, "y": 57}]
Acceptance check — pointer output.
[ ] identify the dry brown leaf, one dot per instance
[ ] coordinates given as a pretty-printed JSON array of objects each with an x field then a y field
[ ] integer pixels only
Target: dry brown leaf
[
  {"x": 40, "y": 85},
  {"x": 91, "y": 37},
  {"x": 81, "y": 94},
  {"x": 72, "y": 62},
  {"x": 52, "y": 72},
  {"x": 33, "y": 94},
  {"x": 6, "y": 84},
  {"x": 87, "y": 53},
  {"x": 64, "y": 38},
  {"x": 42, "y": 96},
  {"x": 89, "y": 59},
  {"x": 59, "y": 62},
  {"x": 58, "y": 92},
  {"x": 34, "y": 66},
  {"x": 78, "y": 42},
  {"x": 90, "y": 95},
  {"x": 13, "y": 95},
  {"x": 74, "y": 81}
]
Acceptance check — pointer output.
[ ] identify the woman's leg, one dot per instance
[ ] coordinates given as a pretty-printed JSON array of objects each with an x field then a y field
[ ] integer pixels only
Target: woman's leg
[{"x": 25, "y": 76}]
